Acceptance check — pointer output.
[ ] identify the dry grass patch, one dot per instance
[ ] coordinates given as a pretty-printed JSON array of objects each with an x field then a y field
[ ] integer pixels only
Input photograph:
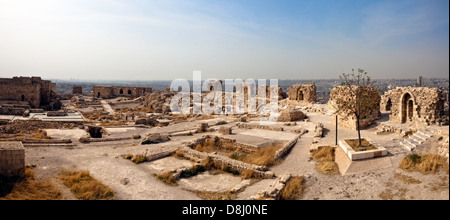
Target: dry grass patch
[
  {"x": 325, "y": 161},
  {"x": 167, "y": 178},
  {"x": 294, "y": 189},
  {"x": 262, "y": 157},
  {"x": 84, "y": 186},
  {"x": 426, "y": 164},
  {"x": 407, "y": 179},
  {"x": 366, "y": 145},
  {"x": 32, "y": 189},
  {"x": 137, "y": 159}
]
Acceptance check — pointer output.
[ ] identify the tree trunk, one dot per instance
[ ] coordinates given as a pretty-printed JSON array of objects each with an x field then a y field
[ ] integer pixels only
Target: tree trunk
[{"x": 359, "y": 130}]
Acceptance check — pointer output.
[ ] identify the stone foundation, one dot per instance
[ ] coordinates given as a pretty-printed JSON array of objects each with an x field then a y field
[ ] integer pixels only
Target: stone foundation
[{"x": 12, "y": 159}]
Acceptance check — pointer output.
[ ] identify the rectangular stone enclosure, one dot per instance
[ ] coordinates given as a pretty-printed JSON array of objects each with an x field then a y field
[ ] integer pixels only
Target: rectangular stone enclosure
[
  {"x": 353, "y": 155},
  {"x": 12, "y": 159}
]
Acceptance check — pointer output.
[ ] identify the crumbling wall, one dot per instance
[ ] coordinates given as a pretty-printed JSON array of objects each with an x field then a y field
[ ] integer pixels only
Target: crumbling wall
[
  {"x": 342, "y": 94},
  {"x": 12, "y": 159},
  {"x": 303, "y": 93},
  {"x": 291, "y": 115},
  {"x": 420, "y": 105}
]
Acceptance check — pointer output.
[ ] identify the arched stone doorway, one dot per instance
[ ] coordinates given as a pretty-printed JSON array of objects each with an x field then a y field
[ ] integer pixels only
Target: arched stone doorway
[
  {"x": 407, "y": 109},
  {"x": 300, "y": 95},
  {"x": 129, "y": 92},
  {"x": 121, "y": 92}
]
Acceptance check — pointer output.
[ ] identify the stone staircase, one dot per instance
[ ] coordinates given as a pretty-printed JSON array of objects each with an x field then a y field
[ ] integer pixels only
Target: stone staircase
[{"x": 415, "y": 140}]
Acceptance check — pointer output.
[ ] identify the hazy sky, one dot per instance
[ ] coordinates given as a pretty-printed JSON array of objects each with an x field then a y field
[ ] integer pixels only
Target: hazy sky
[{"x": 165, "y": 39}]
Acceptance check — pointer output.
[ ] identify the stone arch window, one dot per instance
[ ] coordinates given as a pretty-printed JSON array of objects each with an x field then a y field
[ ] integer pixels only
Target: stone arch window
[
  {"x": 121, "y": 91},
  {"x": 22, "y": 98},
  {"x": 407, "y": 110},
  {"x": 98, "y": 95},
  {"x": 129, "y": 92}
]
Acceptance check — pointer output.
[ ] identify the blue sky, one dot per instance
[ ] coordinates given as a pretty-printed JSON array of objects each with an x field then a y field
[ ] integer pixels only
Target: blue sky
[{"x": 168, "y": 39}]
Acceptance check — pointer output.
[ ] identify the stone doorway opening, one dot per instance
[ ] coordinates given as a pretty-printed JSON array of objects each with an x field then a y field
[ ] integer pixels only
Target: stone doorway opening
[{"x": 407, "y": 108}]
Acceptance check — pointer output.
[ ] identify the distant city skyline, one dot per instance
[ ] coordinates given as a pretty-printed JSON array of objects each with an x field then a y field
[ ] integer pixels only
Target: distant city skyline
[{"x": 165, "y": 40}]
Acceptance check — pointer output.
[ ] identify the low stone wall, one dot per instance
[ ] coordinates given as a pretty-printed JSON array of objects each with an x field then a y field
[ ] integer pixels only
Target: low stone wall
[
  {"x": 286, "y": 147},
  {"x": 263, "y": 127},
  {"x": 246, "y": 148},
  {"x": 274, "y": 191},
  {"x": 89, "y": 140},
  {"x": 12, "y": 159},
  {"x": 219, "y": 160}
]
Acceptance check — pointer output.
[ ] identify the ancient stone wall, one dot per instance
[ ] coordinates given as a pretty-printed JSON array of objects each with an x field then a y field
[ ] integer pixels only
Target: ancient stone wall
[
  {"x": 33, "y": 90},
  {"x": 12, "y": 159},
  {"x": 342, "y": 94},
  {"x": 303, "y": 93},
  {"x": 108, "y": 92},
  {"x": 420, "y": 105}
]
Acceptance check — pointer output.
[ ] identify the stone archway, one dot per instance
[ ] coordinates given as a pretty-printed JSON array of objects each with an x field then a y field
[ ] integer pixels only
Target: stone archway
[
  {"x": 300, "y": 95},
  {"x": 129, "y": 92},
  {"x": 407, "y": 108},
  {"x": 121, "y": 91}
]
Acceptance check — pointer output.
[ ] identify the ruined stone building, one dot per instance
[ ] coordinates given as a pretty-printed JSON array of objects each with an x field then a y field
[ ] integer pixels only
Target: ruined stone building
[
  {"x": 77, "y": 90},
  {"x": 420, "y": 105},
  {"x": 29, "y": 91},
  {"x": 342, "y": 94},
  {"x": 303, "y": 93},
  {"x": 108, "y": 92}
]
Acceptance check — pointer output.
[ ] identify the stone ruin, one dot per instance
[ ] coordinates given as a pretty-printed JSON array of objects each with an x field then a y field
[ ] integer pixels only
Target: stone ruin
[
  {"x": 342, "y": 94},
  {"x": 12, "y": 159},
  {"x": 77, "y": 90},
  {"x": 419, "y": 105},
  {"x": 291, "y": 115},
  {"x": 303, "y": 93},
  {"x": 18, "y": 94},
  {"x": 108, "y": 92}
]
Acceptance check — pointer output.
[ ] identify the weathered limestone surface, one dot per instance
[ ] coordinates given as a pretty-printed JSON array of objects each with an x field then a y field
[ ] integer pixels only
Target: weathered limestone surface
[
  {"x": 12, "y": 159},
  {"x": 304, "y": 93},
  {"x": 291, "y": 115},
  {"x": 420, "y": 105},
  {"x": 342, "y": 94}
]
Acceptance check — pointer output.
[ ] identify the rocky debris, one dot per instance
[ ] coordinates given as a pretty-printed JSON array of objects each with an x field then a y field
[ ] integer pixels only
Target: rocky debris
[
  {"x": 156, "y": 138},
  {"x": 202, "y": 127},
  {"x": 318, "y": 131},
  {"x": 159, "y": 101},
  {"x": 274, "y": 191},
  {"x": 225, "y": 130},
  {"x": 124, "y": 181},
  {"x": 243, "y": 119},
  {"x": 291, "y": 115},
  {"x": 31, "y": 126},
  {"x": 152, "y": 121}
]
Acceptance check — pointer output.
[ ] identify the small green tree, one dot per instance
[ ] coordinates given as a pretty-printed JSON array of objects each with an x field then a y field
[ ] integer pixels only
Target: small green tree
[{"x": 358, "y": 103}]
